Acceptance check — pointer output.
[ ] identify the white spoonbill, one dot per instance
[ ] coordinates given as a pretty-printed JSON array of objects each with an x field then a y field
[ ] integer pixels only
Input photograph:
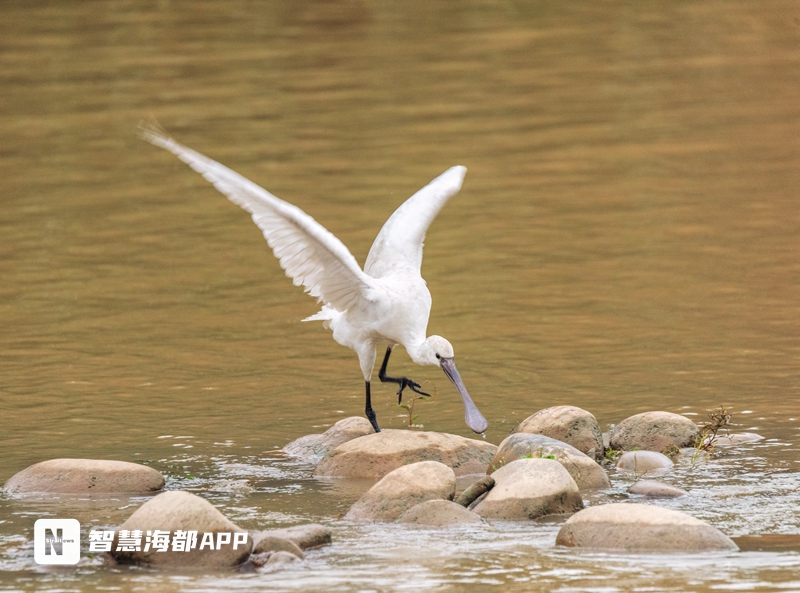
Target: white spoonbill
[{"x": 385, "y": 303}]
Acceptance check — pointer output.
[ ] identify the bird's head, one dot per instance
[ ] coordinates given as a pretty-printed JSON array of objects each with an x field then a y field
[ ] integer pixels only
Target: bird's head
[{"x": 436, "y": 350}]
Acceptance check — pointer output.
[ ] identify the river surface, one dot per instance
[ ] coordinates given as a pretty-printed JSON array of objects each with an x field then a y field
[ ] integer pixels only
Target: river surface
[{"x": 626, "y": 240}]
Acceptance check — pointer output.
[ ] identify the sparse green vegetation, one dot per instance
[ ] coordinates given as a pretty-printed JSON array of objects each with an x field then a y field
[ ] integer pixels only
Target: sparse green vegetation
[
  {"x": 408, "y": 406},
  {"x": 717, "y": 420}
]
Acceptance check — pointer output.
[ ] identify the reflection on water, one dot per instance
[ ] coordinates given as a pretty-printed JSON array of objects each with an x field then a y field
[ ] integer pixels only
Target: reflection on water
[{"x": 626, "y": 240}]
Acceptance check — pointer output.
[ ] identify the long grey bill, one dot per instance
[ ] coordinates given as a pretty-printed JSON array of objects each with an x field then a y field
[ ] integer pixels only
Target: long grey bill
[{"x": 472, "y": 416}]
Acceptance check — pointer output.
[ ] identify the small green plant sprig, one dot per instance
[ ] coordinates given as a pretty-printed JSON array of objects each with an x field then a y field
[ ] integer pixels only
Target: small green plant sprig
[{"x": 408, "y": 406}]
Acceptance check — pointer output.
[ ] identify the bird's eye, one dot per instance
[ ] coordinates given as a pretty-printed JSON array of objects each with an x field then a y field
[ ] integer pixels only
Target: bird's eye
[{"x": 437, "y": 355}]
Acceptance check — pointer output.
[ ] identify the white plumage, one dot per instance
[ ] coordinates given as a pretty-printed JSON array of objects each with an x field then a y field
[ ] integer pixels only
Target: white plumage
[{"x": 387, "y": 303}]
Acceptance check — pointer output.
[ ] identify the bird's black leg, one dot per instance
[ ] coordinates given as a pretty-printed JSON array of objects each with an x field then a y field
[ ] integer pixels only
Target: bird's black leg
[
  {"x": 402, "y": 381},
  {"x": 370, "y": 412}
]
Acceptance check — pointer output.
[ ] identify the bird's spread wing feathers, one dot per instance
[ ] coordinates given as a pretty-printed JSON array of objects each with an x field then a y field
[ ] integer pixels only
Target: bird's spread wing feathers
[
  {"x": 399, "y": 244},
  {"x": 311, "y": 255}
]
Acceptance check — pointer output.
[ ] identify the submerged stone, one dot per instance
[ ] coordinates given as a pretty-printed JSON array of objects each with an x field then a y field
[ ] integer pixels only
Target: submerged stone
[
  {"x": 654, "y": 489},
  {"x": 232, "y": 486},
  {"x": 307, "y": 537},
  {"x": 86, "y": 476},
  {"x": 641, "y": 528},
  {"x": 740, "y": 438},
  {"x": 439, "y": 513},
  {"x": 271, "y": 544},
  {"x": 644, "y": 462},
  {"x": 375, "y": 455},
  {"x": 280, "y": 559}
]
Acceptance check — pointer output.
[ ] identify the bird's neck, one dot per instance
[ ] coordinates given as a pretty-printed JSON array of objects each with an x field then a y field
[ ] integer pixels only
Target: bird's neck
[{"x": 421, "y": 352}]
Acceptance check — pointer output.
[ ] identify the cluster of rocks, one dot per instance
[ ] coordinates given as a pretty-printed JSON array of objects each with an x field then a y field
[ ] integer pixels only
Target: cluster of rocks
[
  {"x": 169, "y": 512},
  {"x": 541, "y": 468},
  {"x": 544, "y": 467}
]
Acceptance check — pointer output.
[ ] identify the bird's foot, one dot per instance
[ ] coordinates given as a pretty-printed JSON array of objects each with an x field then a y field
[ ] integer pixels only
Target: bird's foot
[
  {"x": 413, "y": 385},
  {"x": 374, "y": 421}
]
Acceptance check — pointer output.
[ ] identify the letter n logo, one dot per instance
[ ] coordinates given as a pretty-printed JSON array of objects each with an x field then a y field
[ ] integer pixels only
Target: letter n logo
[
  {"x": 54, "y": 542},
  {"x": 57, "y": 541}
]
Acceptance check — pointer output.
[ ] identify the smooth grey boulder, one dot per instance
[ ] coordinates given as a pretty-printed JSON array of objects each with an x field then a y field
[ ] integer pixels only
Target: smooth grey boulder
[
  {"x": 654, "y": 489},
  {"x": 584, "y": 470},
  {"x": 439, "y": 513},
  {"x": 177, "y": 510},
  {"x": 643, "y": 463},
  {"x": 568, "y": 424},
  {"x": 403, "y": 488},
  {"x": 314, "y": 447},
  {"x": 653, "y": 431},
  {"x": 375, "y": 455},
  {"x": 530, "y": 488},
  {"x": 86, "y": 476},
  {"x": 641, "y": 528},
  {"x": 306, "y": 537}
]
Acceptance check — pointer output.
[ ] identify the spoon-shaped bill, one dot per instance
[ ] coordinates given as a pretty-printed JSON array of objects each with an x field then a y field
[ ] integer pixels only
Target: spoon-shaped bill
[{"x": 472, "y": 416}]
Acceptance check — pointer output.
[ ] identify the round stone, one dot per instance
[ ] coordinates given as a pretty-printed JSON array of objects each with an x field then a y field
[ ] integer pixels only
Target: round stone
[
  {"x": 641, "y": 528},
  {"x": 86, "y": 476}
]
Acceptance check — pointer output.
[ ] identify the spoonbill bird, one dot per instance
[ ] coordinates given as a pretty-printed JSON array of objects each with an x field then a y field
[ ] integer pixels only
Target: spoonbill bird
[{"x": 385, "y": 303}]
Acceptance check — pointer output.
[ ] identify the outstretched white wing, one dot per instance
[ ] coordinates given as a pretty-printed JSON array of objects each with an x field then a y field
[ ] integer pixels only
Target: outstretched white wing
[
  {"x": 399, "y": 244},
  {"x": 310, "y": 254}
]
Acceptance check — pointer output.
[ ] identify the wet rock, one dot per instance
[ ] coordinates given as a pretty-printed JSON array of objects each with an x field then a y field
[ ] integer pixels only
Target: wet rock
[
  {"x": 307, "y": 537},
  {"x": 314, "y": 447},
  {"x": 86, "y": 476},
  {"x": 271, "y": 544},
  {"x": 654, "y": 489},
  {"x": 269, "y": 561},
  {"x": 530, "y": 488},
  {"x": 641, "y": 528},
  {"x": 569, "y": 424},
  {"x": 477, "y": 501},
  {"x": 375, "y": 455},
  {"x": 644, "y": 463},
  {"x": 182, "y": 511},
  {"x": 403, "y": 488},
  {"x": 741, "y": 438},
  {"x": 279, "y": 560},
  {"x": 475, "y": 491},
  {"x": 769, "y": 542},
  {"x": 254, "y": 562},
  {"x": 653, "y": 431},
  {"x": 439, "y": 513},
  {"x": 583, "y": 469},
  {"x": 233, "y": 487}
]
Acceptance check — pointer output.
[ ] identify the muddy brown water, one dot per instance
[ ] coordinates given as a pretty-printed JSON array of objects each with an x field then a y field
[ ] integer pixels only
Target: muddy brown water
[{"x": 627, "y": 239}]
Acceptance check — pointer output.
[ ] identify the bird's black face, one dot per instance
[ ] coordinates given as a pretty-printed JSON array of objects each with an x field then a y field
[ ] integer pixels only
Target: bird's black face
[{"x": 472, "y": 416}]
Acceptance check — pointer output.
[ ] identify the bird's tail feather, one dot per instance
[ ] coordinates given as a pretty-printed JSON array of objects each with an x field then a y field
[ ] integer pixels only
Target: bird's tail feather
[{"x": 325, "y": 315}]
